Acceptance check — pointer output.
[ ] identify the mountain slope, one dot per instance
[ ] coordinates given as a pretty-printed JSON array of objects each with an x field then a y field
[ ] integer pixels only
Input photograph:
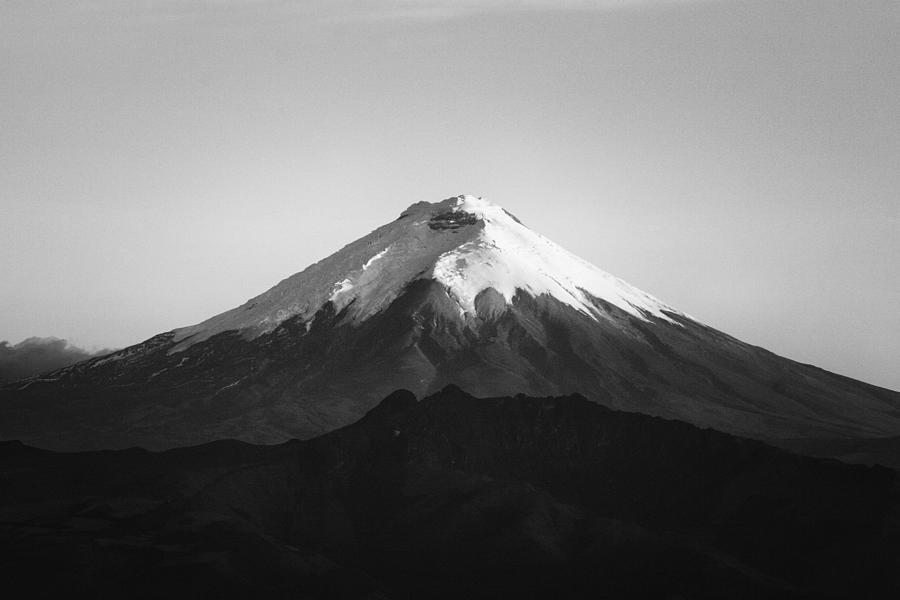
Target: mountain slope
[
  {"x": 454, "y": 497},
  {"x": 464, "y": 243},
  {"x": 453, "y": 292}
]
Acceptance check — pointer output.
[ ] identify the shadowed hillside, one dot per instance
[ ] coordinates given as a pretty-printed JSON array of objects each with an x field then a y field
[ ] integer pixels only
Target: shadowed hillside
[{"x": 453, "y": 497}]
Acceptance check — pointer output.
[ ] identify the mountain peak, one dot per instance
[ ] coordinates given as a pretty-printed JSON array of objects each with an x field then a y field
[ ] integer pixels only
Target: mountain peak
[
  {"x": 479, "y": 207},
  {"x": 463, "y": 203},
  {"x": 466, "y": 243}
]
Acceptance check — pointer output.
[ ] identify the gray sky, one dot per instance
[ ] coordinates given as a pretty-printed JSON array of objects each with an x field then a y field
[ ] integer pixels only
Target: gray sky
[{"x": 165, "y": 160}]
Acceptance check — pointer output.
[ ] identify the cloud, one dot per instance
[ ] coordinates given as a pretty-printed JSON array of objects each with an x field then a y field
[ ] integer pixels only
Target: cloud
[{"x": 38, "y": 355}]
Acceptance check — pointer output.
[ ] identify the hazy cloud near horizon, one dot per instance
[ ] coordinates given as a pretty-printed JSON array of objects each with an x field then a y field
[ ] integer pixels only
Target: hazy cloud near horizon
[{"x": 37, "y": 355}]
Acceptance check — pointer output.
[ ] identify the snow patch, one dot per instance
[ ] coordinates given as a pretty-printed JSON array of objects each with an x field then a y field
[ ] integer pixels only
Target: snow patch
[
  {"x": 230, "y": 385},
  {"x": 116, "y": 356},
  {"x": 374, "y": 258},
  {"x": 31, "y": 380},
  {"x": 348, "y": 283}
]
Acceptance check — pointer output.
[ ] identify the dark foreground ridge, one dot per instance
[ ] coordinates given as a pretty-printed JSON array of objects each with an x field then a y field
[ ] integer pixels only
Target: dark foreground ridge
[{"x": 453, "y": 497}]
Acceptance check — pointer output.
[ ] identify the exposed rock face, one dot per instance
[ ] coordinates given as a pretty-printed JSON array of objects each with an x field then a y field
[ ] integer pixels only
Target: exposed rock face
[
  {"x": 489, "y": 305},
  {"x": 452, "y": 220}
]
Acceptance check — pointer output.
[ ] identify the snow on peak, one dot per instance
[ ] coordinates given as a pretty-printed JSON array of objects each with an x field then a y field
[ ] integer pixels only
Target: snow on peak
[
  {"x": 508, "y": 256},
  {"x": 466, "y": 243}
]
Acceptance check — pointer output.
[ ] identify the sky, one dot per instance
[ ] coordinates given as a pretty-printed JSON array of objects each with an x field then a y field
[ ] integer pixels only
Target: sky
[{"x": 162, "y": 161}]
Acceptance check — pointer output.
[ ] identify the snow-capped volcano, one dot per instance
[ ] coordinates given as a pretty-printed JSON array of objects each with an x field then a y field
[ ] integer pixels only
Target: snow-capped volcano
[
  {"x": 466, "y": 243},
  {"x": 457, "y": 291}
]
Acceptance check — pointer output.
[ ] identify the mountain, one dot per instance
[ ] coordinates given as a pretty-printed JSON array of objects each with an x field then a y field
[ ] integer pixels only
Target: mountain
[
  {"x": 458, "y": 291},
  {"x": 453, "y": 497}
]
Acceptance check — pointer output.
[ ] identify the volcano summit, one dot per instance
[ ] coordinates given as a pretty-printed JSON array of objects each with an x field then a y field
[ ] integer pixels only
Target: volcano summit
[
  {"x": 480, "y": 254},
  {"x": 458, "y": 291}
]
